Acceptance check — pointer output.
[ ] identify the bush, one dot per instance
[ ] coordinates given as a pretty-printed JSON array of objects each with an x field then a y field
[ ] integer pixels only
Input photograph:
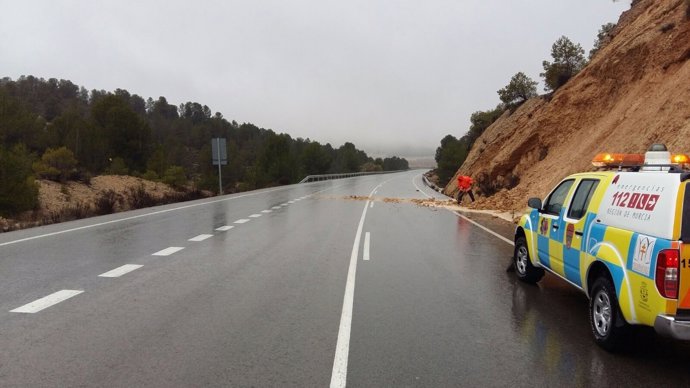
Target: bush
[
  {"x": 106, "y": 203},
  {"x": 140, "y": 198},
  {"x": 18, "y": 189},
  {"x": 117, "y": 167},
  {"x": 568, "y": 60},
  {"x": 175, "y": 176},
  {"x": 56, "y": 164},
  {"x": 150, "y": 175},
  {"x": 520, "y": 89}
]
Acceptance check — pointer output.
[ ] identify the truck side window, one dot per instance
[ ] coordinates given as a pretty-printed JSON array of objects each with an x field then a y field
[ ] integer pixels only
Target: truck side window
[
  {"x": 583, "y": 194},
  {"x": 555, "y": 201}
]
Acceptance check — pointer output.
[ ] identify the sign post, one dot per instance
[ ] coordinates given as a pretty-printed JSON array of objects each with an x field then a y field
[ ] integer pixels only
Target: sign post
[{"x": 219, "y": 154}]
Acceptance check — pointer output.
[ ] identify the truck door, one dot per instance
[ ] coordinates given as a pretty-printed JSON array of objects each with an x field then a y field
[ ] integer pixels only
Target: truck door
[
  {"x": 683, "y": 308},
  {"x": 575, "y": 222},
  {"x": 550, "y": 228}
]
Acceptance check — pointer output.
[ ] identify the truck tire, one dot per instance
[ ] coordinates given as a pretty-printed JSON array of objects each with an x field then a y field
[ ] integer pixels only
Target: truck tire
[
  {"x": 524, "y": 269},
  {"x": 605, "y": 318}
]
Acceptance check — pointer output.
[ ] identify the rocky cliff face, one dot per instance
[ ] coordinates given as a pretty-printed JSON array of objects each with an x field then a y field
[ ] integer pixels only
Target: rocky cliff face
[{"x": 634, "y": 92}]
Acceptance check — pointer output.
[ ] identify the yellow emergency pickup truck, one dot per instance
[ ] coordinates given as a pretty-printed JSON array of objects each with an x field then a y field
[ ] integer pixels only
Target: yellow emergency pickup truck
[{"x": 622, "y": 237}]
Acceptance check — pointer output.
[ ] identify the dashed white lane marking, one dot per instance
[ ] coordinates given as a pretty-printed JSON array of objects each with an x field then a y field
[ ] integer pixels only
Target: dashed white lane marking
[
  {"x": 255, "y": 216},
  {"x": 119, "y": 271},
  {"x": 146, "y": 215},
  {"x": 291, "y": 202},
  {"x": 372, "y": 205},
  {"x": 152, "y": 214},
  {"x": 224, "y": 228},
  {"x": 201, "y": 237},
  {"x": 342, "y": 347},
  {"x": 46, "y": 301},
  {"x": 283, "y": 204},
  {"x": 168, "y": 251},
  {"x": 367, "y": 243},
  {"x": 275, "y": 207},
  {"x": 242, "y": 221},
  {"x": 266, "y": 211}
]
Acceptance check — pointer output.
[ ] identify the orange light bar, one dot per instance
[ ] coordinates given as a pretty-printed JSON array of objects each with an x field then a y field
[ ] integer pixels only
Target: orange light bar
[
  {"x": 608, "y": 159},
  {"x": 680, "y": 159}
]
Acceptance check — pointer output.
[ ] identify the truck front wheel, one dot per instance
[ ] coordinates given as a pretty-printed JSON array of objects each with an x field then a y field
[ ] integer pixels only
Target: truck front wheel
[{"x": 524, "y": 269}]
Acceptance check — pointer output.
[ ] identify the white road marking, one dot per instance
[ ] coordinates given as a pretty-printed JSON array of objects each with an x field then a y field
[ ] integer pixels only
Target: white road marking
[
  {"x": 119, "y": 271},
  {"x": 283, "y": 204},
  {"x": 484, "y": 228},
  {"x": 242, "y": 221},
  {"x": 367, "y": 243},
  {"x": 201, "y": 237},
  {"x": 255, "y": 216},
  {"x": 374, "y": 193},
  {"x": 291, "y": 202},
  {"x": 372, "y": 205},
  {"x": 168, "y": 251},
  {"x": 418, "y": 189},
  {"x": 150, "y": 214},
  {"x": 46, "y": 301},
  {"x": 224, "y": 228},
  {"x": 342, "y": 347},
  {"x": 266, "y": 211},
  {"x": 275, "y": 207}
]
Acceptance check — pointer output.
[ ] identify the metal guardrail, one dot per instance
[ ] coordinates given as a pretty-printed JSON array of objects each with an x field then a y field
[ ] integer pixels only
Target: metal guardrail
[{"x": 325, "y": 177}]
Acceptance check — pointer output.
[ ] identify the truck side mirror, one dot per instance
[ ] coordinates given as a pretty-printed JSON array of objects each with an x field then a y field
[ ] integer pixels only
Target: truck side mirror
[{"x": 534, "y": 203}]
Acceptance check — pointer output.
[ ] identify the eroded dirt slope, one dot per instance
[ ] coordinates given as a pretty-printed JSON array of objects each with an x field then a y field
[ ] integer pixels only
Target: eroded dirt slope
[{"x": 635, "y": 91}]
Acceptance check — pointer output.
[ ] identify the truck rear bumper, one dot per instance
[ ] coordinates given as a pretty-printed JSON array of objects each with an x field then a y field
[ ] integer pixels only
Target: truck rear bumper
[{"x": 668, "y": 326}]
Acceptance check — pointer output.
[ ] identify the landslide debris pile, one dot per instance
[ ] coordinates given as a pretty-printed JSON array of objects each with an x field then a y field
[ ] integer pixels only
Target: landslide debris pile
[{"x": 634, "y": 92}]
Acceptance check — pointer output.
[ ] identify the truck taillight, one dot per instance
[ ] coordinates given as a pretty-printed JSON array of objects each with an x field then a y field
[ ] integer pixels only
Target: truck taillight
[{"x": 667, "y": 273}]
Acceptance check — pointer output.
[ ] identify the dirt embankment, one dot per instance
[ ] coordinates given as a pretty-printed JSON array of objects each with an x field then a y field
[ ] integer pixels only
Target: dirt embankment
[
  {"x": 103, "y": 195},
  {"x": 635, "y": 91}
]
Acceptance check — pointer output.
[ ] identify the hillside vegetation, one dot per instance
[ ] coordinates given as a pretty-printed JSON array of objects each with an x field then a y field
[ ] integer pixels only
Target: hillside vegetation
[
  {"x": 633, "y": 92},
  {"x": 55, "y": 130}
]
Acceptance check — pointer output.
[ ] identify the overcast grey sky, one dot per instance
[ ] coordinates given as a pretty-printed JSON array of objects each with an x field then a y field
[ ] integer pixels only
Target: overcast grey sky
[{"x": 390, "y": 76}]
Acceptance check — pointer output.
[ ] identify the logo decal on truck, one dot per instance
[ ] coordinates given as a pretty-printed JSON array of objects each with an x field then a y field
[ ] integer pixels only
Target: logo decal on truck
[{"x": 642, "y": 256}]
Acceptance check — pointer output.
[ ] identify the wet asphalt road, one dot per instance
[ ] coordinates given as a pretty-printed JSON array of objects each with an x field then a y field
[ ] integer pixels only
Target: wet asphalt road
[{"x": 261, "y": 304}]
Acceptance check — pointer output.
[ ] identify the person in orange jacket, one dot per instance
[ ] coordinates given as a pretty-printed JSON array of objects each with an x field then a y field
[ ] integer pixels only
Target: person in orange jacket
[{"x": 465, "y": 186}]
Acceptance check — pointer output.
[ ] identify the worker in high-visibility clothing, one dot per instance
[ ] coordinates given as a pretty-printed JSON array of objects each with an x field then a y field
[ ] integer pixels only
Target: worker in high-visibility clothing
[{"x": 465, "y": 186}]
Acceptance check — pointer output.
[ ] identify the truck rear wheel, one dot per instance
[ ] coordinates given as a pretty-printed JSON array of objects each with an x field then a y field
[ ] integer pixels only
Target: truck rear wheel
[
  {"x": 605, "y": 318},
  {"x": 524, "y": 269}
]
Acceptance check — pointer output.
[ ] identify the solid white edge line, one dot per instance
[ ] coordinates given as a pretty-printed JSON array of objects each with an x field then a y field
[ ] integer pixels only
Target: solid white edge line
[
  {"x": 168, "y": 251},
  {"x": 46, "y": 301},
  {"x": 201, "y": 237},
  {"x": 342, "y": 347},
  {"x": 119, "y": 271},
  {"x": 484, "y": 228},
  {"x": 417, "y": 187},
  {"x": 367, "y": 244}
]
